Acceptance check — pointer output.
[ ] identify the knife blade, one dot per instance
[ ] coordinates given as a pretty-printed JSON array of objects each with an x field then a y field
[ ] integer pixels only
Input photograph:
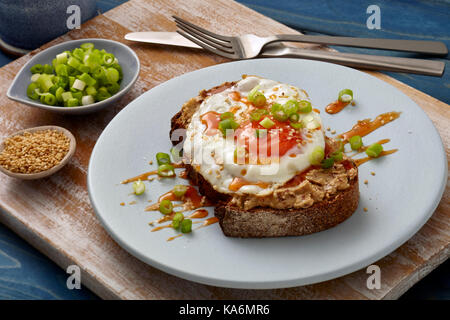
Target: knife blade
[{"x": 167, "y": 38}]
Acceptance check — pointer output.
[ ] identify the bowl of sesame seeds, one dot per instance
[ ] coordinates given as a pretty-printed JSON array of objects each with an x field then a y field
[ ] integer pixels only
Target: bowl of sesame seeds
[{"x": 36, "y": 153}]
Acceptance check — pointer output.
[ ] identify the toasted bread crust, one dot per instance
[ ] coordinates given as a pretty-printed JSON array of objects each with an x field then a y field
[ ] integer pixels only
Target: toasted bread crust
[{"x": 266, "y": 222}]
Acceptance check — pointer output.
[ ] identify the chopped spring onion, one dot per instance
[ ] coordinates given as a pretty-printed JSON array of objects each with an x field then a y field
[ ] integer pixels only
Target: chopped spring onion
[
  {"x": 267, "y": 123},
  {"x": 37, "y": 68},
  {"x": 112, "y": 75},
  {"x": 102, "y": 94},
  {"x": 108, "y": 59},
  {"x": 166, "y": 170},
  {"x": 337, "y": 156},
  {"x": 176, "y": 220},
  {"x": 374, "y": 150},
  {"x": 345, "y": 95},
  {"x": 91, "y": 91},
  {"x": 58, "y": 94},
  {"x": 79, "y": 84},
  {"x": 294, "y": 117},
  {"x": 48, "y": 69},
  {"x": 226, "y": 115},
  {"x": 259, "y": 100},
  {"x": 72, "y": 102},
  {"x": 327, "y": 163},
  {"x": 305, "y": 106},
  {"x": 256, "y": 97},
  {"x": 291, "y": 107},
  {"x": 257, "y": 114},
  {"x": 165, "y": 206},
  {"x": 35, "y": 77},
  {"x": 31, "y": 91},
  {"x": 86, "y": 78},
  {"x": 62, "y": 58},
  {"x": 179, "y": 190},
  {"x": 355, "y": 142},
  {"x": 186, "y": 225},
  {"x": 73, "y": 62},
  {"x": 138, "y": 187},
  {"x": 87, "y": 46},
  {"x": 280, "y": 115},
  {"x": 227, "y": 124},
  {"x": 50, "y": 99},
  {"x": 275, "y": 107},
  {"x": 296, "y": 125},
  {"x": 82, "y": 72},
  {"x": 316, "y": 156},
  {"x": 85, "y": 100},
  {"x": 66, "y": 96},
  {"x": 162, "y": 158},
  {"x": 113, "y": 88}
]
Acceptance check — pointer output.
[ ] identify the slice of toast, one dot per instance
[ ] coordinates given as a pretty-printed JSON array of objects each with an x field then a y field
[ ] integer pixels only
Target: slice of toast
[{"x": 262, "y": 222}]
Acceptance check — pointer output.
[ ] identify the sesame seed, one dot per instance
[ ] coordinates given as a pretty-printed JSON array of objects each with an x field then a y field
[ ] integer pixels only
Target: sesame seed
[
  {"x": 365, "y": 209},
  {"x": 372, "y": 173},
  {"x": 33, "y": 152},
  {"x": 366, "y": 181}
]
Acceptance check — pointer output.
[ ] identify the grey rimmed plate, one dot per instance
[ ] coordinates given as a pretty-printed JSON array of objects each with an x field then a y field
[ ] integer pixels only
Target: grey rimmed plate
[
  {"x": 400, "y": 198},
  {"x": 127, "y": 59}
]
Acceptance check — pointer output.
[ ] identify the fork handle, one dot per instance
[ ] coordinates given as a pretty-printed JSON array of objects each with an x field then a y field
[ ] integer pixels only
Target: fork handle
[
  {"x": 417, "y": 46},
  {"x": 364, "y": 61}
]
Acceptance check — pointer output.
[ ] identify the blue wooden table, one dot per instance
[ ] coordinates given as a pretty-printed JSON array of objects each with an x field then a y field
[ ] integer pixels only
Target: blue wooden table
[{"x": 27, "y": 274}]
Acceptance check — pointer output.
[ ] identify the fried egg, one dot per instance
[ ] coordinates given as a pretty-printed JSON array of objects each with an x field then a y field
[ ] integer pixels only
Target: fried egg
[{"x": 257, "y": 158}]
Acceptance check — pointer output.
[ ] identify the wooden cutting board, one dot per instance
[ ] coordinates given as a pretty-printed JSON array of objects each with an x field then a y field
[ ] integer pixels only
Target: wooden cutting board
[{"x": 55, "y": 214}]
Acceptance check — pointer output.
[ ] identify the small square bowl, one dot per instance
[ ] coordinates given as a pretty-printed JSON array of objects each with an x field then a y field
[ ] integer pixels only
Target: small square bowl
[{"x": 128, "y": 60}]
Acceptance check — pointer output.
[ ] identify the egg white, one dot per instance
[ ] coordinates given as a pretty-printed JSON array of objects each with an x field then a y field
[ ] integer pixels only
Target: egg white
[{"x": 213, "y": 156}]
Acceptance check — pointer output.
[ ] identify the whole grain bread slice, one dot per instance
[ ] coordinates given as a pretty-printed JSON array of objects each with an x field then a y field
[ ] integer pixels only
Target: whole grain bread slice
[{"x": 262, "y": 222}]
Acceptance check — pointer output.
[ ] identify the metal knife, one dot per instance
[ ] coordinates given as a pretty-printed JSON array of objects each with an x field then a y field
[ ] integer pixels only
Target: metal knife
[{"x": 275, "y": 50}]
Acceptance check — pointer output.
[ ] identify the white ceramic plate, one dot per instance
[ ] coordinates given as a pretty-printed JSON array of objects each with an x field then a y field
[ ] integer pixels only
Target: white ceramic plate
[{"x": 400, "y": 198}]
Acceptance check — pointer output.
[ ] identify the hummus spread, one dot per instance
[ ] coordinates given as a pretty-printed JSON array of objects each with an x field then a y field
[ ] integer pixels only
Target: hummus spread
[{"x": 317, "y": 185}]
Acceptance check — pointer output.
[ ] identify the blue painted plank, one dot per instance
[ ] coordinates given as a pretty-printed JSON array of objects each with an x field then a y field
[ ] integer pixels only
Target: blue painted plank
[{"x": 27, "y": 274}]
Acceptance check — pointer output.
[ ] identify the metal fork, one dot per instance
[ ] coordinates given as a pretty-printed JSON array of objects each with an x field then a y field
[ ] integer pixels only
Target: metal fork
[{"x": 249, "y": 46}]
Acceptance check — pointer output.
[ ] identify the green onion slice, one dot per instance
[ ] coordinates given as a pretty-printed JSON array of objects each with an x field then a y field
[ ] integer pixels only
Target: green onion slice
[
  {"x": 179, "y": 190},
  {"x": 227, "y": 115},
  {"x": 176, "y": 220},
  {"x": 165, "y": 206},
  {"x": 374, "y": 150},
  {"x": 186, "y": 225},
  {"x": 345, "y": 95},
  {"x": 327, "y": 163},
  {"x": 316, "y": 156},
  {"x": 355, "y": 142},
  {"x": 280, "y": 115},
  {"x": 162, "y": 158},
  {"x": 305, "y": 106},
  {"x": 166, "y": 170},
  {"x": 138, "y": 187},
  {"x": 267, "y": 123},
  {"x": 291, "y": 107},
  {"x": 296, "y": 125},
  {"x": 257, "y": 114}
]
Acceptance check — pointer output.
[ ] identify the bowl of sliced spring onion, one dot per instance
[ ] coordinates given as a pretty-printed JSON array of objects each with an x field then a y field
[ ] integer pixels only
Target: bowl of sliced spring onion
[{"x": 76, "y": 77}]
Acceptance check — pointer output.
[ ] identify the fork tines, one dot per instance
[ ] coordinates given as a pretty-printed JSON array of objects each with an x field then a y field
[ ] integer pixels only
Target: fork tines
[{"x": 219, "y": 44}]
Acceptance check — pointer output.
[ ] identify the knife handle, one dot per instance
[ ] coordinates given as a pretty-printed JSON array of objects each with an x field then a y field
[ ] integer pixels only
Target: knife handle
[
  {"x": 364, "y": 61},
  {"x": 417, "y": 46}
]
